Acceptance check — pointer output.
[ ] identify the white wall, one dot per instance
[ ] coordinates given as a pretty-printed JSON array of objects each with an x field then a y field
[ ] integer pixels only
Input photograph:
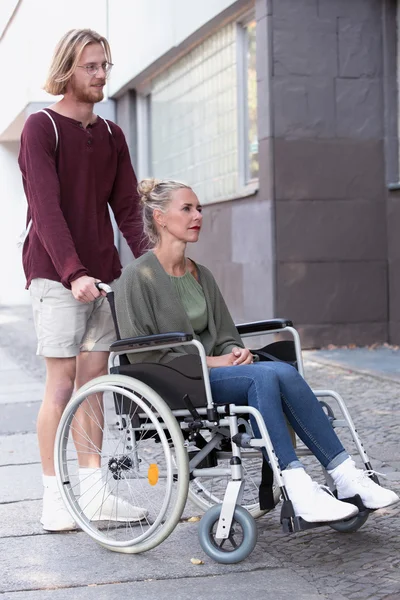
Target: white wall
[
  {"x": 28, "y": 44},
  {"x": 12, "y": 222},
  {"x": 141, "y": 31},
  {"x": 26, "y": 49}
]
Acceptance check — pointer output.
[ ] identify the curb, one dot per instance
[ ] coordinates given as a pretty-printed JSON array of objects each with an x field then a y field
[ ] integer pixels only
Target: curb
[{"x": 346, "y": 367}]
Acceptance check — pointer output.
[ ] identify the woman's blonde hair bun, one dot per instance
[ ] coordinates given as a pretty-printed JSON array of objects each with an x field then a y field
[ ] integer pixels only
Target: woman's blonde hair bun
[{"x": 146, "y": 187}]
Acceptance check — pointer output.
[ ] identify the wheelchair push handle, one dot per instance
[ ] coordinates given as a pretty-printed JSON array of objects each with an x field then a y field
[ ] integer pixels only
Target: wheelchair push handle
[{"x": 103, "y": 287}]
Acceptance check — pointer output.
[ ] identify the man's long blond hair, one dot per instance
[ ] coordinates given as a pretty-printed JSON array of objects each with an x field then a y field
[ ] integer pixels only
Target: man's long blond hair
[{"x": 67, "y": 56}]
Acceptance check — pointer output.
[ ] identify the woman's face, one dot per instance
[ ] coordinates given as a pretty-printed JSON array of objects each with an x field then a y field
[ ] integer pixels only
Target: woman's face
[{"x": 183, "y": 218}]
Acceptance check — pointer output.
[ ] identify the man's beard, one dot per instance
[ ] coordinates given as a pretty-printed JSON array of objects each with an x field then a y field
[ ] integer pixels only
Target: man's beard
[{"x": 89, "y": 95}]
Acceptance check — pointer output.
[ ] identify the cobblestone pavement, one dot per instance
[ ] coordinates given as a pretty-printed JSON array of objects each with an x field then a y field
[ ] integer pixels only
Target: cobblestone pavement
[{"x": 365, "y": 564}]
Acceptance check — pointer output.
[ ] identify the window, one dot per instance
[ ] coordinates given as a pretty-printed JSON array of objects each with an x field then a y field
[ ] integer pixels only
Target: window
[
  {"x": 200, "y": 123},
  {"x": 249, "y": 101},
  {"x": 143, "y": 128}
]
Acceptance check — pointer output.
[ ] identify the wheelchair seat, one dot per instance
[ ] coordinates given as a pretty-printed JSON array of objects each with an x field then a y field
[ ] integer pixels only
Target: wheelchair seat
[{"x": 181, "y": 377}]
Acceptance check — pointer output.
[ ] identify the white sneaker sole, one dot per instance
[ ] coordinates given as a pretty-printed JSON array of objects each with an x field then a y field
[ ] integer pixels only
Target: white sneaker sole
[
  {"x": 53, "y": 527},
  {"x": 390, "y": 503},
  {"x": 312, "y": 518}
]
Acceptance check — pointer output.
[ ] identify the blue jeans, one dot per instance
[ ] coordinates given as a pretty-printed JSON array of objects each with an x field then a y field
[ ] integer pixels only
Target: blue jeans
[{"x": 277, "y": 390}]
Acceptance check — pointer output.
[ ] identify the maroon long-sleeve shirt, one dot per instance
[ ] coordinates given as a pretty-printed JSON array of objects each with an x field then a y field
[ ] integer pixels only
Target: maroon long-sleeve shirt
[{"x": 68, "y": 192}]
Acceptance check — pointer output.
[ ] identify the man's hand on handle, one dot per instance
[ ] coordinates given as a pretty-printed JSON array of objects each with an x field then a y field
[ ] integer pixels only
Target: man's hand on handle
[{"x": 84, "y": 289}]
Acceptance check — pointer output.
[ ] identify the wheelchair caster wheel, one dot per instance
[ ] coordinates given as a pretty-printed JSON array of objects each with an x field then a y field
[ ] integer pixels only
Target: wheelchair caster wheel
[
  {"x": 351, "y": 525},
  {"x": 242, "y": 536}
]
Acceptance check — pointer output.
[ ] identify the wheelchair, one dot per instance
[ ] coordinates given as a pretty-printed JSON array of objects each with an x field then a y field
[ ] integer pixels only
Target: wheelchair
[{"x": 162, "y": 440}]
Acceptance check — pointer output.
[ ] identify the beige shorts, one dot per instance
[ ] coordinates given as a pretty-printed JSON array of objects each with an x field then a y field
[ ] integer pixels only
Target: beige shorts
[{"x": 64, "y": 326}]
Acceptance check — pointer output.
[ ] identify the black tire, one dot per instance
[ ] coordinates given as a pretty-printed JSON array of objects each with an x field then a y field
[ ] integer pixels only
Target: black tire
[
  {"x": 350, "y": 525},
  {"x": 219, "y": 551}
]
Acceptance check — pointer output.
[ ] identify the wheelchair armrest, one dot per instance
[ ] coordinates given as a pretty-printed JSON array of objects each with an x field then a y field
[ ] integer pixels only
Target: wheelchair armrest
[
  {"x": 159, "y": 339},
  {"x": 263, "y": 326}
]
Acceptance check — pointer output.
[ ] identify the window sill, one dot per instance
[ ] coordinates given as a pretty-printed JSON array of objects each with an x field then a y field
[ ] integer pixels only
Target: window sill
[{"x": 394, "y": 187}]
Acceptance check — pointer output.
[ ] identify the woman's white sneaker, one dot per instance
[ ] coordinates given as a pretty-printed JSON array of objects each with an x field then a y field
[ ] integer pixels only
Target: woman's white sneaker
[
  {"x": 312, "y": 502},
  {"x": 99, "y": 504},
  {"x": 349, "y": 481}
]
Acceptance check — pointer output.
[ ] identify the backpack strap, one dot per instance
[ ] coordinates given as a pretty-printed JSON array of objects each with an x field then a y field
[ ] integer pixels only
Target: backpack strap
[
  {"x": 107, "y": 125},
  {"x": 43, "y": 110}
]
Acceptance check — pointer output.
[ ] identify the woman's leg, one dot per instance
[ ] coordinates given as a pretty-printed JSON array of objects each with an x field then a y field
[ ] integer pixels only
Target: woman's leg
[
  {"x": 260, "y": 388},
  {"x": 309, "y": 421},
  {"x": 305, "y": 414}
]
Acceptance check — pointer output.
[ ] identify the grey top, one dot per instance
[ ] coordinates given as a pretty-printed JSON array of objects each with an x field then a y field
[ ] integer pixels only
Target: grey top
[
  {"x": 147, "y": 303},
  {"x": 193, "y": 301}
]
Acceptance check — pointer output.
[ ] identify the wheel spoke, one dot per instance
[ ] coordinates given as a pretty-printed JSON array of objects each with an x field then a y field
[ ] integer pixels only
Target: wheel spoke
[
  {"x": 232, "y": 540},
  {"x": 124, "y": 453}
]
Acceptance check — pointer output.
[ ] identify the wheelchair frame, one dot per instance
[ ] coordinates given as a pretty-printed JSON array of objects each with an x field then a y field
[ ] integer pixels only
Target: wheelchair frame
[{"x": 213, "y": 417}]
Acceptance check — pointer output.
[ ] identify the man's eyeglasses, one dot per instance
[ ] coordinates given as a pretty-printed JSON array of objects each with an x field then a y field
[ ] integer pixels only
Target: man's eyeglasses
[{"x": 92, "y": 69}]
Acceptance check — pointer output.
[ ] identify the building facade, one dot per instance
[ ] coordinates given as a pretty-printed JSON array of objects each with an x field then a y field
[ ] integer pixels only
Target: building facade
[{"x": 282, "y": 115}]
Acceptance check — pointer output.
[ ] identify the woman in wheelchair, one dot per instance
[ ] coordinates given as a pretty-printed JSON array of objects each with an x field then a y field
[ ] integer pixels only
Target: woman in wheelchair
[{"x": 165, "y": 291}]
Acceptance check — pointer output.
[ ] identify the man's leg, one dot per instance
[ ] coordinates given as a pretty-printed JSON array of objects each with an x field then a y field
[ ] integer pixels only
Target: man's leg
[
  {"x": 60, "y": 323},
  {"x": 90, "y": 416},
  {"x": 97, "y": 499},
  {"x": 59, "y": 387}
]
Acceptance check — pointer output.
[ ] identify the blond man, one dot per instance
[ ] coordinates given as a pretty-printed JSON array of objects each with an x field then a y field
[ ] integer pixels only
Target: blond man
[{"x": 74, "y": 166}]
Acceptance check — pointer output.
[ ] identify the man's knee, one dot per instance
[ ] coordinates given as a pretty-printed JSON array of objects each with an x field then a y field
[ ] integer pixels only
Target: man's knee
[
  {"x": 91, "y": 365},
  {"x": 60, "y": 380}
]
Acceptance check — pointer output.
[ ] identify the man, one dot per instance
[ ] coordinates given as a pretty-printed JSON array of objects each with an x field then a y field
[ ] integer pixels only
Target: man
[{"x": 74, "y": 164}]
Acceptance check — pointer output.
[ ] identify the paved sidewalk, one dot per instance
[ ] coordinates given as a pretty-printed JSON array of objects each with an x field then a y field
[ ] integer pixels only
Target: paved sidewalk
[
  {"x": 380, "y": 361},
  {"x": 317, "y": 565}
]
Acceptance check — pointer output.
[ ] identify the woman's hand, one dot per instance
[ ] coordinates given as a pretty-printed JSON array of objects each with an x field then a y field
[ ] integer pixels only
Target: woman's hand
[
  {"x": 242, "y": 356},
  {"x": 238, "y": 356}
]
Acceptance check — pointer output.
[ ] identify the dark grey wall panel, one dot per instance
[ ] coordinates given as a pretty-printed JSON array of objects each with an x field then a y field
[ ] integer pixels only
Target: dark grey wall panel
[
  {"x": 359, "y": 108},
  {"x": 331, "y": 230},
  {"x": 342, "y": 334},
  {"x": 360, "y": 48},
  {"x": 334, "y": 292},
  {"x": 331, "y": 169}
]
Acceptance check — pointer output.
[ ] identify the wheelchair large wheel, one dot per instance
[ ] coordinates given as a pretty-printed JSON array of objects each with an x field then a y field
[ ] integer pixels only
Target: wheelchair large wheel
[
  {"x": 124, "y": 426},
  {"x": 206, "y": 492},
  {"x": 242, "y": 536}
]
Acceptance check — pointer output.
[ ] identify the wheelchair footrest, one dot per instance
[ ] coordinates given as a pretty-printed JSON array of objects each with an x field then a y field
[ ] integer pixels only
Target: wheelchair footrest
[
  {"x": 356, "y": 500},
  {"x": 297, "y": 524},
  {"x": 293, "y": 524}
]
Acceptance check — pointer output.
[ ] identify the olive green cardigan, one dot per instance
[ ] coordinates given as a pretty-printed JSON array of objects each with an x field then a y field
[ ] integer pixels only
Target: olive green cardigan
[{"x": 147, "y": 303}]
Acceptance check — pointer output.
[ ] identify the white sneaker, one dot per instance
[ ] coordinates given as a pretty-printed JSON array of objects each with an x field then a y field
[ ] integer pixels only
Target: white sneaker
[
  {"x": 55, "y": 516},
  {"x": 312, "y": 502},
  {"x": 349, "y": 481},
  {"x": 99, "y": 504}
]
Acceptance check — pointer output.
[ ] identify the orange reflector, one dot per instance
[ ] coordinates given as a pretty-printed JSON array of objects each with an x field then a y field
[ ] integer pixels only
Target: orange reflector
[{"x": 152, "y": 474}]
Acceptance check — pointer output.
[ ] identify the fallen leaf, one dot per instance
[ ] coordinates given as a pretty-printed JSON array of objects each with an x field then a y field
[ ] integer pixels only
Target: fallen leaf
[{"x": 193, "y": 519}]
